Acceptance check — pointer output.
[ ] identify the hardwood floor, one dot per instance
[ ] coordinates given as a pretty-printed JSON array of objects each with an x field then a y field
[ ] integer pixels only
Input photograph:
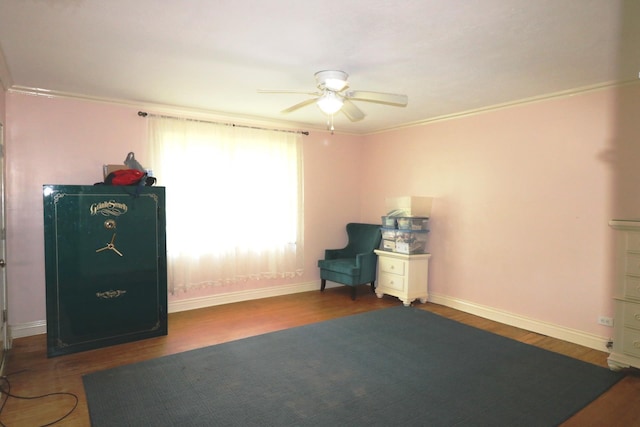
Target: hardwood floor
[{"x": 30, "y": 373}]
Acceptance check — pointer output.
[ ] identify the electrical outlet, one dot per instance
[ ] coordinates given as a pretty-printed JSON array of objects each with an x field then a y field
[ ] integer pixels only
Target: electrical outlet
[{"x": 606, "y": 321}]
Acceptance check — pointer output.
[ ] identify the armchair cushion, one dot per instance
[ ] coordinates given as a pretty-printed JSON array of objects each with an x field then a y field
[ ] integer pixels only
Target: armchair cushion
[{"x": 342, "y": 265}]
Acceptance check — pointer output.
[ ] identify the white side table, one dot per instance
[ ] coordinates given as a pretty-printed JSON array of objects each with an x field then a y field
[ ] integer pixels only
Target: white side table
[{"x": 403, "y": 276}]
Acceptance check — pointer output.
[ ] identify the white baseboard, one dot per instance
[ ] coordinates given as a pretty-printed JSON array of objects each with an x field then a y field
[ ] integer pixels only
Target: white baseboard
[
  {"x": 251, "y": 294},
  {"x": 27, "y": 329},
  {"x": 544, "y": 328},
  {"x": 40, "y": 326}
]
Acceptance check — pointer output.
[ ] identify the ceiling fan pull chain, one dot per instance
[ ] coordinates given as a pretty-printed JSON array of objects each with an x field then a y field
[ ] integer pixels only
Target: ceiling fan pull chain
[{"x": 330, "y": 124}]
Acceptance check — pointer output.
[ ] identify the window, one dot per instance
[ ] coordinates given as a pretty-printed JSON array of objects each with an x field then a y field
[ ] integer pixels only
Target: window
[{"x": 234, "y": 201}]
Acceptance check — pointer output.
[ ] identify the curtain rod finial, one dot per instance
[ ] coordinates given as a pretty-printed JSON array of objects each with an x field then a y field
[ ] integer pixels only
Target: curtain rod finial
[{"x": 142, "y": 114}]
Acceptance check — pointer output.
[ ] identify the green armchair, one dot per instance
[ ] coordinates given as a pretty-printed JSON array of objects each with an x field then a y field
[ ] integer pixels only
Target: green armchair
[{"x": 354, "y": 264}]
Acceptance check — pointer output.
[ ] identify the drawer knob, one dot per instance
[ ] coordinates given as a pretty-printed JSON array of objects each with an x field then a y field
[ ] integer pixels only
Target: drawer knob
[
  {"x": 637, "y": 317},
  {"x": 636, "y": 344},
  {"x": 391, "y": 282},
  {"x": 392, "y": 267}
]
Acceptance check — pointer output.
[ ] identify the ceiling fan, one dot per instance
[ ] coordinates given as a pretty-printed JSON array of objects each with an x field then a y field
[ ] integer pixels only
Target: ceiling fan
[{"x": 333, "y": 96}]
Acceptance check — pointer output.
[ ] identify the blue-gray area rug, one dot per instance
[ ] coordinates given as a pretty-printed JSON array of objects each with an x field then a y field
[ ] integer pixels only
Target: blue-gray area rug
[{"x": 395, "y": 366}]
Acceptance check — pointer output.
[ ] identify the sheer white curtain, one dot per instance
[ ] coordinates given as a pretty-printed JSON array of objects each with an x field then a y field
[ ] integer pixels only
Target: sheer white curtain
[{"x": 234, "y": 201}]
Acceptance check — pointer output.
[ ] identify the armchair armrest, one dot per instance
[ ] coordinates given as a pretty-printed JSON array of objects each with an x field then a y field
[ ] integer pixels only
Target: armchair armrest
[
  {"x": 337, "y": 254},
  {"x": 367, "y": 263},
  {"x": 366, "y": 260}
]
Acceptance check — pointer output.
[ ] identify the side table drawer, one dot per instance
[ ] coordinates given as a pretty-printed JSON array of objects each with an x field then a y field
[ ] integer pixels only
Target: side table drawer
[
  {"x": 633, "y": 264},
  {"x": 631, "y": 342},
  {"x": 631, "y": 315},
  {"x": 632, "y": 287},
  {"x": 633, "y": 241},
  {"x": 392, "y": 265},
  {"x": 391, "y": 281}
]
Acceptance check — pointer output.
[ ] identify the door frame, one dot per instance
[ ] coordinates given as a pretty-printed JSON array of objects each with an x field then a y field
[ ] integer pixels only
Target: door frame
[{"x": 4, "y": 335}]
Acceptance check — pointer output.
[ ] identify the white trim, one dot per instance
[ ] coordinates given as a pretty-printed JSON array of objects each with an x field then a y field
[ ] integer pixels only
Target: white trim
[
  {"x": 184, "y": 112},
  {"x": 198, "y": 113},
  {"x": 251, "y": 294},
  {"x": 27, "y": 329},
  {"x": 490, "y": 108},
  {"x": 625, "y": 224},
  {"x": 40, "y": 326},
  {"x": 556, "y": 331}
]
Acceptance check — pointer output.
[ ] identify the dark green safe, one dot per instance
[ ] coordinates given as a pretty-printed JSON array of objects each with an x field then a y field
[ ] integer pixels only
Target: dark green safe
[{"x": 105, "y": 264}]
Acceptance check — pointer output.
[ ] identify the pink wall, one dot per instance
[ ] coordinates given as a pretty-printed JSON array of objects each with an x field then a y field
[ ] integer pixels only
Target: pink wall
[
  {"x": 65, "y": 141},
  {"x": 522, "y": 194},
  {"x": 523, "y": 197},
  {"x": 53, "y": 141}
]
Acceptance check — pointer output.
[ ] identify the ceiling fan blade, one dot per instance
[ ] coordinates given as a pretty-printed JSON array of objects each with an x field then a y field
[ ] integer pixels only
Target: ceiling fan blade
[
  {"x": 352, "y": 112},
  {"x": 378, "y": 97},
  {"x": 299, "y": 105},
  {"x": 316, "y": 93}
]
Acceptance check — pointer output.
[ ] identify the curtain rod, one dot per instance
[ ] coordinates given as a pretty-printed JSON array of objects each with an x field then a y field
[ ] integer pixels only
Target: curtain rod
[{"x": 145, "y": 114}]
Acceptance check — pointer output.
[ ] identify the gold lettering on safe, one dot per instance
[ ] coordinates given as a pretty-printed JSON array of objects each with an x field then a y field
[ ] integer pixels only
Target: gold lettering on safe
[{"x": 107, "y": 208}]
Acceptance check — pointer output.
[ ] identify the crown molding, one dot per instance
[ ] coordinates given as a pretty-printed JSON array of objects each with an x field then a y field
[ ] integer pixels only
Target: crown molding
[
  {"x": 251, "y": 120},
  {"x": 163, "y": 109},
  {"x": 524, "y": 101}
]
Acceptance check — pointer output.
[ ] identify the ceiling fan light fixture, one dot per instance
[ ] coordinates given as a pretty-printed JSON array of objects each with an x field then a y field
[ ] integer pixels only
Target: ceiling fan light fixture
[
  {"x": 334, "y": 80},
  {"x": 330, "y": 103},
  {"x": 332, "y": 96}
]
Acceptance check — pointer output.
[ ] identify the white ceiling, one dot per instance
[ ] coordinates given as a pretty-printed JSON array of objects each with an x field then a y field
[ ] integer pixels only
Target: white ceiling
[{"x": 448, "y": 56}]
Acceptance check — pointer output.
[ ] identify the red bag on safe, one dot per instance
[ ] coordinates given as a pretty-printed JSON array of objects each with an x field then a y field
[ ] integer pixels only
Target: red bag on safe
[{"x": 124, "y": 177}]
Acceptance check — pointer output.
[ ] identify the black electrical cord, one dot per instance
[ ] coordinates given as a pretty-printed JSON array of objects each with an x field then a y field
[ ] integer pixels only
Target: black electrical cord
[{"x": 7, "y": 394}]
